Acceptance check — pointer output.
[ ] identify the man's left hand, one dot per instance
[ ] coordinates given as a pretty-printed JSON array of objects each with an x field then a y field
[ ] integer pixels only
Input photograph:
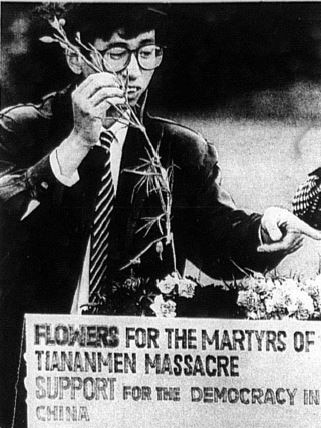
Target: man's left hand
[{"x": 283, "y": 232}]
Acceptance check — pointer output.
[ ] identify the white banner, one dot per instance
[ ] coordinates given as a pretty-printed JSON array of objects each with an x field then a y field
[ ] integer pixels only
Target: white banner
[{"x": 99, "y": 371}]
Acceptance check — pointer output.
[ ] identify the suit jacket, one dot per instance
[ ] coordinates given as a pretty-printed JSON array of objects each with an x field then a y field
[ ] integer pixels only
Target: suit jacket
[{"x": 41, "y": 256}]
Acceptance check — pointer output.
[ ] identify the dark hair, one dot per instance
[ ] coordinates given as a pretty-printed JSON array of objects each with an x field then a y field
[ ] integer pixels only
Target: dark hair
[{"x": 95, "y": 20}]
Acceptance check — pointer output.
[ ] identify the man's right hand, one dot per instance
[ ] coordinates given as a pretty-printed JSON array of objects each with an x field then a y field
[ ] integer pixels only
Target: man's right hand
[{"x": 91, "y": 100}]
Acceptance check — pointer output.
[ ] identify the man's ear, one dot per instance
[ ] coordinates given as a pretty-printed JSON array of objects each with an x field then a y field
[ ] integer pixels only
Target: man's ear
[{"x": 74, "y": 61}]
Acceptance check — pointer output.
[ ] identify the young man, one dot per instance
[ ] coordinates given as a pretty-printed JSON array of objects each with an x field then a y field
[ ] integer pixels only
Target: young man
[{"x": 53, "y": 165}]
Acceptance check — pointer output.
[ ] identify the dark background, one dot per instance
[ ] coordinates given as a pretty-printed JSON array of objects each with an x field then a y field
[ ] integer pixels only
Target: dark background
[{"x": 219, "y": 56}]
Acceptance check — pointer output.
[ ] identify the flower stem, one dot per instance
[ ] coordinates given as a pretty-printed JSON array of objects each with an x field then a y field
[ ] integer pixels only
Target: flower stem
[{"x": 134, "y": 260}]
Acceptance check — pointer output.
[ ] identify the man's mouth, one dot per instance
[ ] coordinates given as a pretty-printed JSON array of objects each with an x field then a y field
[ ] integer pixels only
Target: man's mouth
[{"x": 133, "y": 90}]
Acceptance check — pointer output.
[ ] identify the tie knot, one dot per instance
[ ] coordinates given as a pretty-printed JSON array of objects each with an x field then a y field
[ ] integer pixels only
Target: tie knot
[{"x": 106, "y": 138}]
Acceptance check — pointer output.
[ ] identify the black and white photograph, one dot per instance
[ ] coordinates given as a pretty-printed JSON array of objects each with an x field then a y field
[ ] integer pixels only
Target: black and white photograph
[{"x": 160, "y": 214}]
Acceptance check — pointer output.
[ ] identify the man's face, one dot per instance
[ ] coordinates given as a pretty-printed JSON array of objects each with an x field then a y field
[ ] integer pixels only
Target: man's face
[{"x": 138, "y": 78}]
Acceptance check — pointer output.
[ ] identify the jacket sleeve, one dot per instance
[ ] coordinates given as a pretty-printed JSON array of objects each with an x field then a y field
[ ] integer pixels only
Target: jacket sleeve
[
  {"x": 222, "y": 240},
  {"x": 25, "y": 172}
]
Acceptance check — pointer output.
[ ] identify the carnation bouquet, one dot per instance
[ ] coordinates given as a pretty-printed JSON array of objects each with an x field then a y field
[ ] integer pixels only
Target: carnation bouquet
[{"x": 277, "y": 297}]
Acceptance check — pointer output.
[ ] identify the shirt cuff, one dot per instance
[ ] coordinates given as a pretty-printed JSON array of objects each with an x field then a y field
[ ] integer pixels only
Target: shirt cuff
[
  {"x": 56, "y": 169},
  {"x": 260, "y": 235}
]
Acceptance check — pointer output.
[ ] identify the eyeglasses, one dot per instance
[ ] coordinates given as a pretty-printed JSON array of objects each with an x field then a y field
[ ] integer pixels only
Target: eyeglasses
[{"x": 117, "y": 58}]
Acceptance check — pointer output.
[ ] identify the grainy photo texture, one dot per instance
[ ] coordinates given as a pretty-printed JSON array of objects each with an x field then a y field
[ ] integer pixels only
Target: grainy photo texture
[{"x": 156, "y": 160}]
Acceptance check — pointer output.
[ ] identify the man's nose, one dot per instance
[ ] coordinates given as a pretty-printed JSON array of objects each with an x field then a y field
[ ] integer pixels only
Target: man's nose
[{"x": 133, "y": 67}]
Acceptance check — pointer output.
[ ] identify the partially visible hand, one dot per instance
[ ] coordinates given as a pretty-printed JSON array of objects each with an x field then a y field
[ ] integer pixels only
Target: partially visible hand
[
  {"x": 91, "y": 100},
  {"x": 283, "y": 231}
]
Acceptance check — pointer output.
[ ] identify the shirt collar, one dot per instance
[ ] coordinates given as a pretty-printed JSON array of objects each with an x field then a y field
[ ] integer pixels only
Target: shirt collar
[{"x": 118, "y": 129}]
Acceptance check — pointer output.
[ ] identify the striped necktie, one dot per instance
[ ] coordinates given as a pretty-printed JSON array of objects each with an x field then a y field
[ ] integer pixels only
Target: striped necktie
[{"x": 100, "y": 232}]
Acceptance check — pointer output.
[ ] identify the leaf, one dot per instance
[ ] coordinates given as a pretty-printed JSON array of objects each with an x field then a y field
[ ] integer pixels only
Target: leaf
[
  {"x": 47, "y": 39},
  {"x": 150, "y": 221}
]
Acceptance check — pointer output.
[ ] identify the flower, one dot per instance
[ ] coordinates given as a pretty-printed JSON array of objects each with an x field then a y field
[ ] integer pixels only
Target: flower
[
  {"x": 280, "y": 297},
  {"x": 306, "y": 307},
  {"x": 132, "y": 284},
  {"x": 163, "y": 309},
  {"x": 249, "y": 299},
  {"x": 167, "y": 285},
  {"x": 186, "y": 288},
  {"x": 269, "y": 305}
]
